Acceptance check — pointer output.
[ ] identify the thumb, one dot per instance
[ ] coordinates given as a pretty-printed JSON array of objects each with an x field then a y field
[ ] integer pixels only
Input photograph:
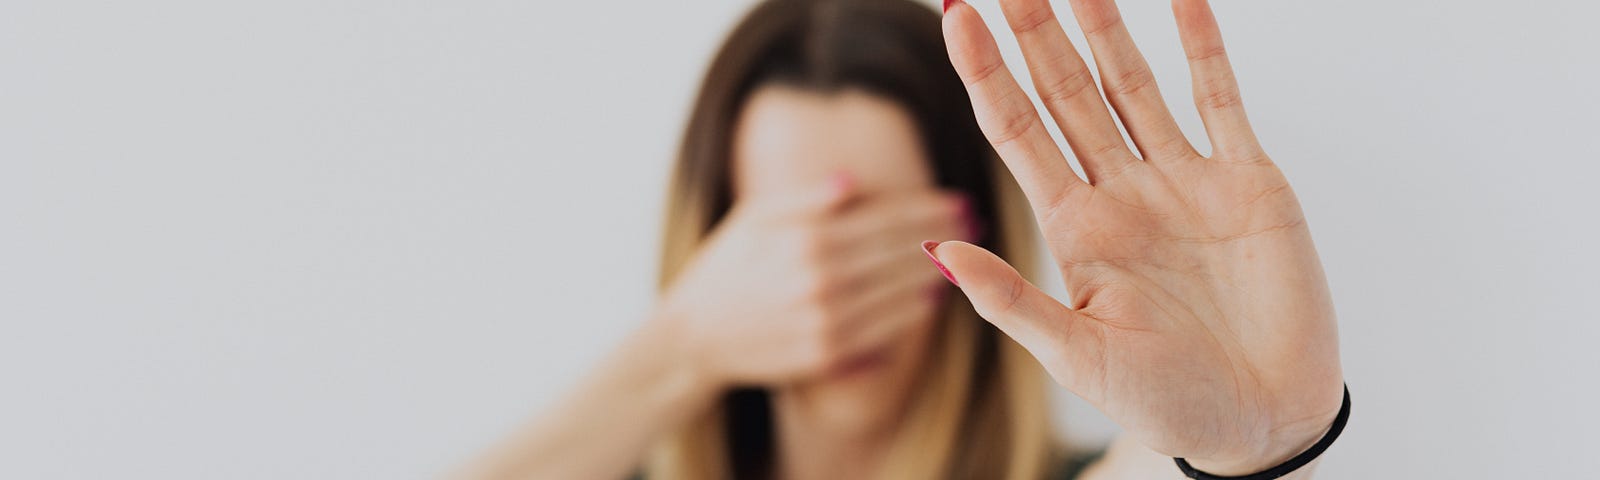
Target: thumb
[{"x": 1049, "y": 330}]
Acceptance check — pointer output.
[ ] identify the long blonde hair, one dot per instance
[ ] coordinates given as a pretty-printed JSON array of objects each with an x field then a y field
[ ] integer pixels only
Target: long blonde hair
[{"x": 980, "y": 409}]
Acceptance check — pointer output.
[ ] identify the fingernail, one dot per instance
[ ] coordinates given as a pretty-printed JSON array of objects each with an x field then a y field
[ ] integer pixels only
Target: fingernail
[
  {"x": 841, "y": 181},
  {"x": 950, "y": 3},
  {"x": 927, "y": 247}
]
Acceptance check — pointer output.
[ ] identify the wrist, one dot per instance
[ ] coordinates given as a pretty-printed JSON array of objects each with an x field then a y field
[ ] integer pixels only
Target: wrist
[
  {"x": 1289, "y": 447},
  {"x": 680, "y": 355},
  {"x": 1269, "y": 454}
]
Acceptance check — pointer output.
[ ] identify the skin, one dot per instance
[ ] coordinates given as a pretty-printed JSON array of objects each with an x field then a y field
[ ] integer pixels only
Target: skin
[
  {"x": 1201, "y": 320},
  {"x": 813, "y": 287},
  {"x": 841, "y": 343}
]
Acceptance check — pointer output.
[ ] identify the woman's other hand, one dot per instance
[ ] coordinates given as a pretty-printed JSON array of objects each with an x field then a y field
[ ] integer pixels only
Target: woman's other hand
[
  {"x": 1201, "y": 321},
  {"x": 792, "y": 286}
]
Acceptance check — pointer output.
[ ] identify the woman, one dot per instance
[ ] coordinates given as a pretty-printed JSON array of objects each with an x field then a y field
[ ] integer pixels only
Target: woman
[{"x": 798, "y": 336}]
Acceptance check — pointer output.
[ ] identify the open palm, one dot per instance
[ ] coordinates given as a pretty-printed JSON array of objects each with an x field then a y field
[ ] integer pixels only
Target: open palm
[{"x": 1201, "y": 321}]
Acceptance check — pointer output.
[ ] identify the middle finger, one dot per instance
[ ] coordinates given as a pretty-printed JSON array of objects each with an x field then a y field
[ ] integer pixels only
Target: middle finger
[
  {"x": 1128, "y": 82},
  {"x": 1067, "y": 89}
]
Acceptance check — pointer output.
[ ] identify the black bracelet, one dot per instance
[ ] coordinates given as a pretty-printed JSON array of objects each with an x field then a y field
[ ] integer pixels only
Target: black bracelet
[{"x": 1286, "y": 467}]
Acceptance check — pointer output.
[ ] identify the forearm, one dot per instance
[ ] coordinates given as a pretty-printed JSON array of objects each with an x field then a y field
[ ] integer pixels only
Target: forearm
[
  {"x": 602, "y": 428},
  {"x": 1126, "y": 458}
]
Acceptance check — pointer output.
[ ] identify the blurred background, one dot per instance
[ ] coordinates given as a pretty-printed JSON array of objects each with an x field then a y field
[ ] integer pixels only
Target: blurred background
[{"x": 362, "y": 239}]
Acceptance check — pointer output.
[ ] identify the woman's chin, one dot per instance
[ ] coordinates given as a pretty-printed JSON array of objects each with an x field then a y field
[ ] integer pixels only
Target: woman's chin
[{"x": 858, "y": 395}]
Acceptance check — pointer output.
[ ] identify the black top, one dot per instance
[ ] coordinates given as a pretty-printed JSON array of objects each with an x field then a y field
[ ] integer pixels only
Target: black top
[
  {"x": 1069, "y": 469},
  {"x": 1075, "y": 464}
]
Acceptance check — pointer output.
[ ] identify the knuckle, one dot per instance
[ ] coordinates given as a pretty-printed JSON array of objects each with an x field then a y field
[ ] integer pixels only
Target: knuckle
[
  {"x": 986, "y": 72},
  {"x": 1104, "y": 22},
  {"x": 1013, "y": 125},
  {"x": 1067, "y": 88},
  {"x": 1034, "y": 18},
  {"x": 1132, "y": 82},
  {"x": 1221, "y": 99},
  {"x": 1207, "y": 54}
]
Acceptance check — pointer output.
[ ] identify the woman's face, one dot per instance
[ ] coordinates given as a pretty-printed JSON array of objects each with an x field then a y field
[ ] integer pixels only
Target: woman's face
[{"x": 786, "y": 142}]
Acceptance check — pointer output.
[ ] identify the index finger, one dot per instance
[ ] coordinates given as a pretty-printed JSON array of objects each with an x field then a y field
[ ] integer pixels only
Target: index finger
[
  {"x": 1005, "y": 113},
  {"x": 903, "y": 214}
]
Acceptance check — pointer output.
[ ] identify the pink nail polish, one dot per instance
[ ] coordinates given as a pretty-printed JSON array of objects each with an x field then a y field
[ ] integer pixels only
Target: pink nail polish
[
  {"x": 949, "y": 3},
  {"x": 927, "y": 247},
  {"x": 841, "y": 181}
]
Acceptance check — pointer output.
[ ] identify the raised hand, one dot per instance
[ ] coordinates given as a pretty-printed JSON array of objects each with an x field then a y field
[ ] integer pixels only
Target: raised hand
[
  {"x": 791, "y": 287},
  {"x": 1201, "y": 320}
]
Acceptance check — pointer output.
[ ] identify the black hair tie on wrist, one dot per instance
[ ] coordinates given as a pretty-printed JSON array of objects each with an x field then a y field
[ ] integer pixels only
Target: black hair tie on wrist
[{"x": 1286, "y": 467}]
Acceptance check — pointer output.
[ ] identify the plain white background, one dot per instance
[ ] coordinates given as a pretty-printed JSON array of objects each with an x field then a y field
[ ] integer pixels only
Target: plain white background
[{"x": 365, "y": 239}]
